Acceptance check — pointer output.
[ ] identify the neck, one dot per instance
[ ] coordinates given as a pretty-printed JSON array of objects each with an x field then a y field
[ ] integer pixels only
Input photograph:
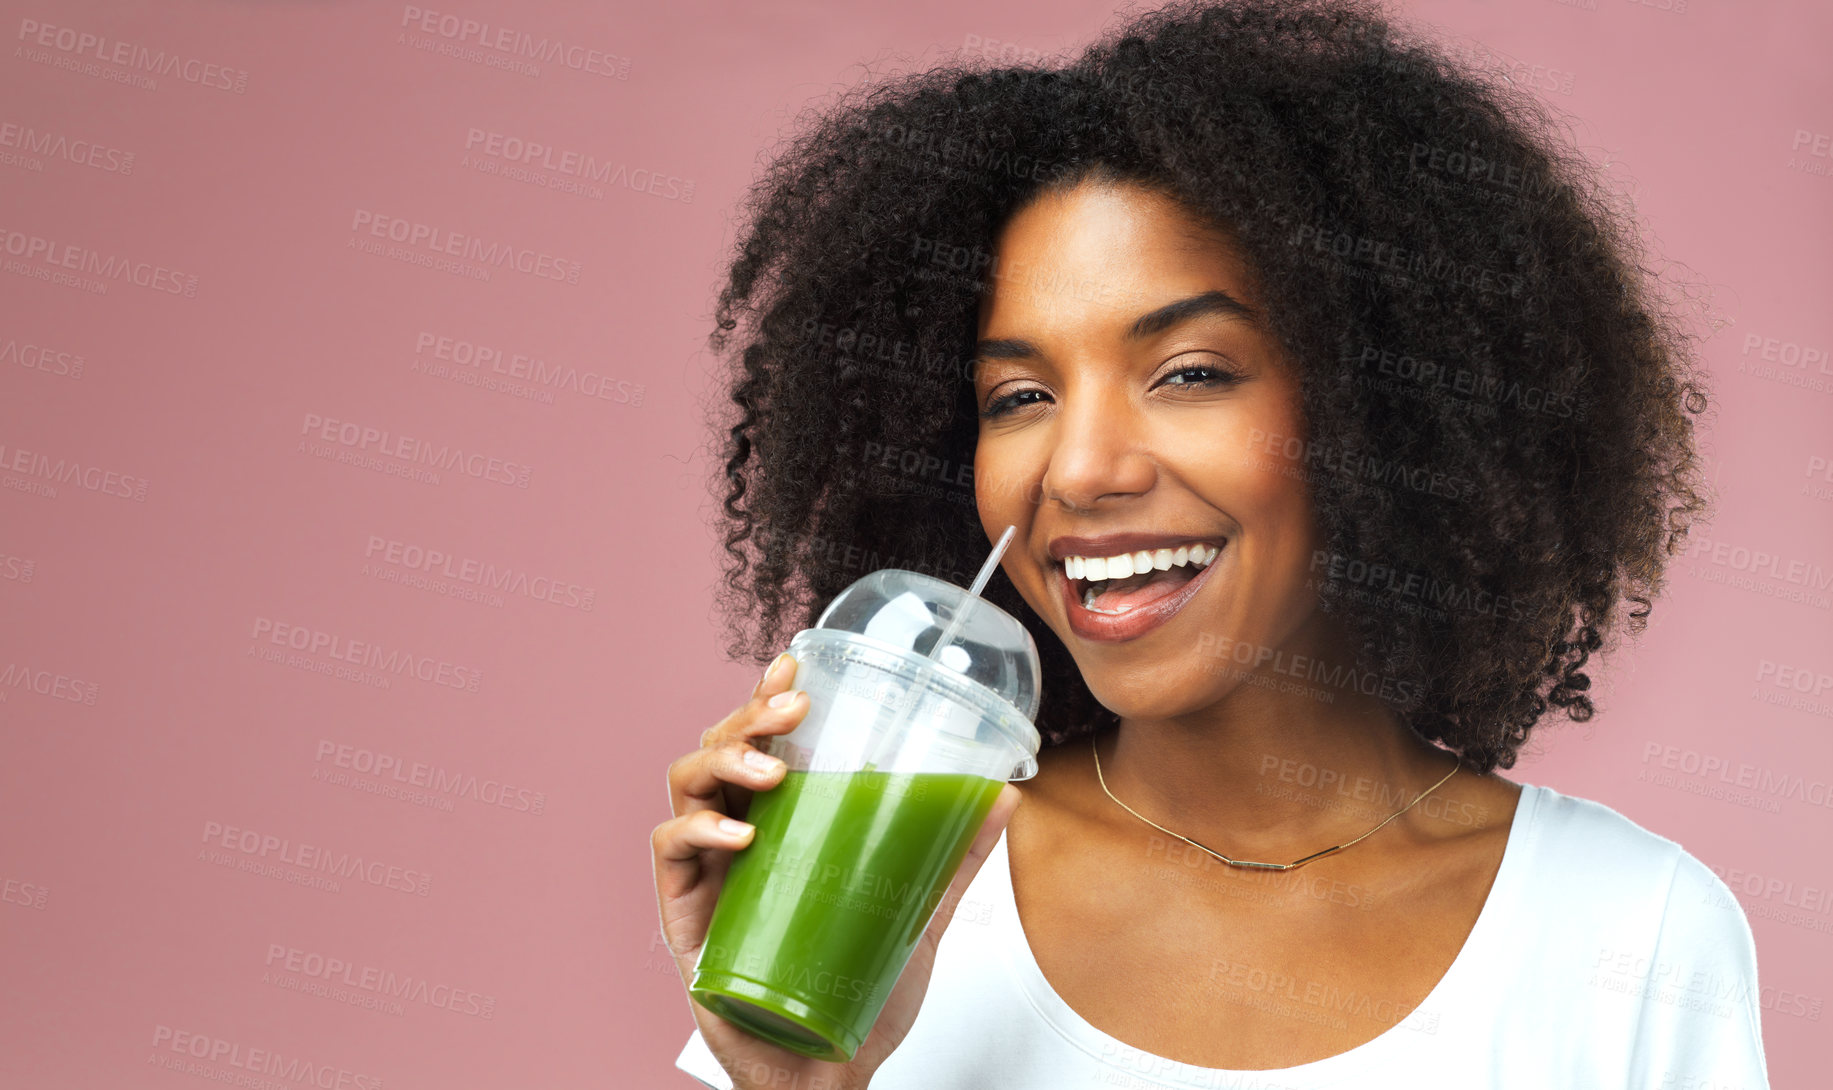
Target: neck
[{"x": 1269, "y": 773}]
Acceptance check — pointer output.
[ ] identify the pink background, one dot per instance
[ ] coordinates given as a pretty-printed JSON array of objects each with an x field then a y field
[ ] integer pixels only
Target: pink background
[{"x": 154, "y": 755}]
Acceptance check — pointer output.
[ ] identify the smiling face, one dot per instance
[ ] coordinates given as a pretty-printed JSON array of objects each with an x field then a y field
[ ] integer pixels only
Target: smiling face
[{"x": 1134, "y": 389}]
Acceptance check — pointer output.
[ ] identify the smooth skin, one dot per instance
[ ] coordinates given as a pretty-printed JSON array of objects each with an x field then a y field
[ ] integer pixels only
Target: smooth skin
[
  {"x": 693, "y": 853},
  {"x": 1194, "y": 426}
]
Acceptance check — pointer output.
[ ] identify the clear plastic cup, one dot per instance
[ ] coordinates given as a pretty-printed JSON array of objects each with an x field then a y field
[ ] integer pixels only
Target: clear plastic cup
[{"x": 891, "y": 774}]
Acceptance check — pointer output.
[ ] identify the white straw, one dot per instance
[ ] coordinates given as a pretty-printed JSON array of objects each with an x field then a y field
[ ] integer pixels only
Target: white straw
[
  {"x": 980, "y": 582},
  {"x": 948, "y": 636}
]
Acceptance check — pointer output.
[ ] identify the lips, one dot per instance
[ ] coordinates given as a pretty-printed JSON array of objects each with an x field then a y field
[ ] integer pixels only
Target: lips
[{"x": 1141, "y": 619}]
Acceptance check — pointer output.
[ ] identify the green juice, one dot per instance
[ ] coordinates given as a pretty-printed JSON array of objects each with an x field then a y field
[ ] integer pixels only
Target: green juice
[{"x": 822, "y": 909}]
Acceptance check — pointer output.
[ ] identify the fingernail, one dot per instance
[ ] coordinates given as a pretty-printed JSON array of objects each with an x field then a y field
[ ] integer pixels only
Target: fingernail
[
  {"x": 733, "y": 826},
  {"x": 760, "y": 760},
  {"x": 770, "y": 672},
  {"x": 781, "y": 700}
]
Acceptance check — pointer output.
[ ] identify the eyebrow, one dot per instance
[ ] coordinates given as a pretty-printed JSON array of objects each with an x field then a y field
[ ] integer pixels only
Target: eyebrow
[{"x": 1157, "y": 321}]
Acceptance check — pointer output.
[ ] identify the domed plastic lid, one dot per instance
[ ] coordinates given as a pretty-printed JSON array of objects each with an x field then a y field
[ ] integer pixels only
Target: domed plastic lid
[{"x": 908, "y": 611}]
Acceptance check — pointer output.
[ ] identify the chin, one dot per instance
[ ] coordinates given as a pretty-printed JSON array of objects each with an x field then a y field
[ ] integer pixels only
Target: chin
[{"x": 1154, "y": 696}]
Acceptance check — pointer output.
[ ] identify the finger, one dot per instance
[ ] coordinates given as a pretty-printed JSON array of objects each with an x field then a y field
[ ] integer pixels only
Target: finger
[
  {"x": 722, "y": 775},
  {"x": 708, "y": 780},
  {"x": 776, "y": 676},
  {"x": 680, "y": 846},
  {"x": 688, "y": 853}
]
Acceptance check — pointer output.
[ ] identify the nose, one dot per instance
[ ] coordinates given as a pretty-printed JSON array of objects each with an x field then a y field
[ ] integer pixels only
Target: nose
[{"x": 1100, "y": 449}]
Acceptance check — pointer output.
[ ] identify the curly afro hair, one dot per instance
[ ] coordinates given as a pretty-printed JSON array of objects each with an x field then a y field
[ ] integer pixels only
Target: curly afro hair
[{"x": 1498, "y": 396}]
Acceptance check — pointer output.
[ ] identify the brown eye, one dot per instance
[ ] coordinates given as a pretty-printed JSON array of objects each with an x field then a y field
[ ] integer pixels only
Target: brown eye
[
  {"x": 1000, "y": 406},
  {"x": 1217, "y": 376},
  {"x": 1210, "y": 376}
]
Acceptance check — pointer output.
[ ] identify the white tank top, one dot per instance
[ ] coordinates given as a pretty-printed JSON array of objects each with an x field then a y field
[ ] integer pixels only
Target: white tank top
[{"x": 1604, "y": 956}]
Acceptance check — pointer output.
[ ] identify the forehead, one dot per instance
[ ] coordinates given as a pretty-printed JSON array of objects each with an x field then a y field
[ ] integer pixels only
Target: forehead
[{"x": 1098, "y": 255}]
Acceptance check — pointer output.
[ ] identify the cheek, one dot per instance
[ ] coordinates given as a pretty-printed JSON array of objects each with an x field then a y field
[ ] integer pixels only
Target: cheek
[
  {"x": 1250, "y": 462},
  {"x": 1000, "y": 493}
]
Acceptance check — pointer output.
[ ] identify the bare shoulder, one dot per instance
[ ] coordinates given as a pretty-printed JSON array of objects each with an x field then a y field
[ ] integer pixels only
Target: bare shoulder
[
  {"x": 1059, "y": 790},
  {"x": 1473, "y": 805}
]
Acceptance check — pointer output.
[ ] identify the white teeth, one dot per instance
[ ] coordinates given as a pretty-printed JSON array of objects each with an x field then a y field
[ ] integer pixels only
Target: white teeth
[
  {"x": 1088, "y": 603},
  {"x": 1125, "y": 564},
  {"x": 1095, "y": 569}
]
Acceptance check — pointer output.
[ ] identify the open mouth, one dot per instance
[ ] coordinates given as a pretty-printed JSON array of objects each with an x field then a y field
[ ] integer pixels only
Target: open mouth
[{"x": 1119, "y": 596}]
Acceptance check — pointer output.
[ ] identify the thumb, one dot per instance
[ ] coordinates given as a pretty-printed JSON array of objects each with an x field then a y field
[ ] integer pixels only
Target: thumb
[{"x": 977, "y": 852}]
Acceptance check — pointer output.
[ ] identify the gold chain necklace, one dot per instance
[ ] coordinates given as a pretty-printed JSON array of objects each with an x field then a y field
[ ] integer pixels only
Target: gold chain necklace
[{"x": 1248, "y": 863}]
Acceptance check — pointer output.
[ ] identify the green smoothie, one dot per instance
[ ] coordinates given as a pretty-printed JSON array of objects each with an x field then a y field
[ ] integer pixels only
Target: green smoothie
[{"x": 822, "y": 909}]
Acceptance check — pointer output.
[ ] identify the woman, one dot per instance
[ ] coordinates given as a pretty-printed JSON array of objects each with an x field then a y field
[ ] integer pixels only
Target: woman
[{"x": 1323, "y": 339}]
